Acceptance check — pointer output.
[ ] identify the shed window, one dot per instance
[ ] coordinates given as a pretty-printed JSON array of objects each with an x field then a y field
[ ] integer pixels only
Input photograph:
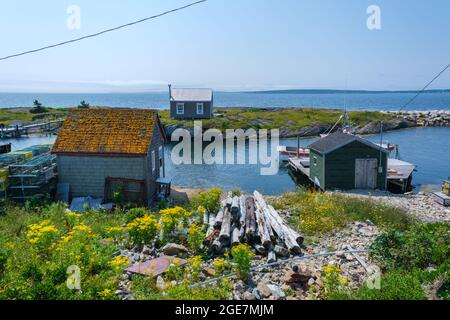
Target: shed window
[
  {"x": 199, "y": 108},
  {"x": 180, "y": 108},
  {"x": 315, "y": 161},
  {"x": 153, "y": 161}
]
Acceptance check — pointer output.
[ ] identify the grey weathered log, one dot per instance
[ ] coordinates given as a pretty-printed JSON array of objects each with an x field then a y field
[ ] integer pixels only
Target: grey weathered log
[
  {"x": 271, "y": 256},
  {"x": 266, "y": 220},
  {"x": 225, "y": 231},
  {"x": 216, "y": 246},
  {"x": 219, "y": 218},
  {"x": 260, "y": 249},
  {"x": 206, "y": 218},
  {"x": 242, "y": 217},
  {"x": 291, "y": 239},
  {"x": 294, "y": 234},
  {"x": 211, "y": 236},
  {"x": 229, "y": 201},
  {"x": 263, "y": 231},
  {"x": 250, "y": 219},
  {"x": 235, "y": 236},
  {"x": 235, "y": 211}
]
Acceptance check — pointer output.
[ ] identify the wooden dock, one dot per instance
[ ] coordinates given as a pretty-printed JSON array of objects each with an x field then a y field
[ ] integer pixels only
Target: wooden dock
[
  {"x": 15, "y": 132},
  {"x": 297, "y": 164}
]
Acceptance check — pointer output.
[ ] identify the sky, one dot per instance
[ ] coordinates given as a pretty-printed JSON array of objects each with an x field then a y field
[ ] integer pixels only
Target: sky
[{"x": 230, "y": 45}]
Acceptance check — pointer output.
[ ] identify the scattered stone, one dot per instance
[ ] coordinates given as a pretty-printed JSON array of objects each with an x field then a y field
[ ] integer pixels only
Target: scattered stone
[
  {"x": 276, "y": 291},
  {"x": 210, "y": 272},
  {"x": 173, "y": 249},
  {"x": 255, "y": 292},
  {"x": 160, "y": 284},
  {"x": 264, "y": 290},
  {"x": 249, "y": 296},
  {"x": 299, "y": 277}
]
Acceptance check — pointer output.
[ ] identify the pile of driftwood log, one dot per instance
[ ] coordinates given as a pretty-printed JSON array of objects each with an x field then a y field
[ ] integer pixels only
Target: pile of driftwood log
[{"x": 249, "y": 219}]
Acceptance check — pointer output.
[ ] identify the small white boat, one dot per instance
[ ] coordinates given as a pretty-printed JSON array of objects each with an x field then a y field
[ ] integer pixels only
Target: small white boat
[{"x": 291, "y": 152}]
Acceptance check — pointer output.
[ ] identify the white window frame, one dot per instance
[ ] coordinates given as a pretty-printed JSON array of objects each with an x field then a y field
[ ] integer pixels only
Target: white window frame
[
  {"x": 153, "y": 161},
  {"x": 200, "y": 104},
  {"x": 182, "y": 108}
]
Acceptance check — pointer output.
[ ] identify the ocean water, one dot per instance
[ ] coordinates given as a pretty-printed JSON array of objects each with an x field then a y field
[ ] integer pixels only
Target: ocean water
[
  {"x": 428, "y": 148},
  {"x": 159, "y": 100}
]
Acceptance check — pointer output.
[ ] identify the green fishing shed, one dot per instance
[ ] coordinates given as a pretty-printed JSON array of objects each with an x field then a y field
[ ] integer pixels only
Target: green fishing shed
[{"x": 344, "y": 161}]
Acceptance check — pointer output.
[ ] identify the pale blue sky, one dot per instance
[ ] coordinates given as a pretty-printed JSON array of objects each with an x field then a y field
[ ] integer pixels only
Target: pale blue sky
[{"x": 225, "y": 44}]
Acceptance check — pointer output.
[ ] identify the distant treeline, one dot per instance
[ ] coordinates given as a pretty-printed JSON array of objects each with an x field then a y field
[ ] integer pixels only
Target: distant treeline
[{"x": 331, "y": 91}]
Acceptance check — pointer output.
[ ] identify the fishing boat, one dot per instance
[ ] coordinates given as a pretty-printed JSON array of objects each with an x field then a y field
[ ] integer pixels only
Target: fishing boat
[{"x": 286, "y": 152}]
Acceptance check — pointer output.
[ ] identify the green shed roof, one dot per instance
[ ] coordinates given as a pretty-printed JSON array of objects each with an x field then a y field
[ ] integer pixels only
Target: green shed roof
[{"x": 337, "y": 140}]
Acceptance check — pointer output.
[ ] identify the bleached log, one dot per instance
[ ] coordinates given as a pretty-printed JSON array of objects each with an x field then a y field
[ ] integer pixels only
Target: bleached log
[
  {"x": 211, "y": 236},
  {"x": 250, "y": 219},
  {"x": 266, "y": 220},
  {"x": 298, "y": 238},
  {"x": 235, "y": 236},
  {"x": 291, "y": 239},
  {"x": 216, "y": 246},
  {"x": 271, "y": 256},
  {"x": 211, "y": 220},
  {"x": 263, "y": 231},
  {"x": 219, "y": 218},
  {"x": 271, "y": 210},
  {"x": 225, "y": 230},
  {"x": 206, "y": 218},
  {"x": 242, "y": 217},
  {"x": 235, "y": 209}
]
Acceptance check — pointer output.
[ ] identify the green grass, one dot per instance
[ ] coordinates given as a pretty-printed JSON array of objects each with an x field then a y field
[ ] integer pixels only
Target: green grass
[
  {"x": 271, "y": 118},
  {"x": 10, "y": 115},
  {"x": 321, "y": 213},
  {"x": 233, "y": 118}
]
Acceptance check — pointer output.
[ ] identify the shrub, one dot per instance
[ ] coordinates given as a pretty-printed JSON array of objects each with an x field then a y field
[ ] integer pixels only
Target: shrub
[
  {"x": 134, "y": 213},
  {"x": 119, "y": 263},
  {"x": 195, "y": 267},
  {"x": 395, "y": 285},
  {"x": 242, "y": 256},
  {"x": 143, "y": 230},
  {"x": 210, "y": 200},
  {"x": 172, "y": 218},
  {"x": 144, "y": 288},
  {"x": 42, "y": 234},
  {"x": 38, "y": 108},
  {"x": 419, "y": 246},
  {"x": 83, "y": 105},
  {"x": 320, "y": 213},
  {"x": 195, "y": 237},
  {"x": 222, "y": 265},
  {"x": 333, "y": 282}
]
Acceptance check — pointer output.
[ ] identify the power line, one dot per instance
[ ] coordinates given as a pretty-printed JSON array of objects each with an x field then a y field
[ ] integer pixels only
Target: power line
[
  {"x": 103, "y": 32},
  {"x": 424, "y": 88}
]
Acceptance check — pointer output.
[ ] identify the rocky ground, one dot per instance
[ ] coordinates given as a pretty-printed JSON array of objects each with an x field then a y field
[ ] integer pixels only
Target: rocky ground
[
  {"x": 420, "y": 205},
  {"x": 301, "y": 278}
]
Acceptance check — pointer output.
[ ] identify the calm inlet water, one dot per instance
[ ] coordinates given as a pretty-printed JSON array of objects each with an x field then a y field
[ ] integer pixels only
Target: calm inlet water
[
  {"x": 428, "y": 148},
  {"x": 159, "y": 100}
]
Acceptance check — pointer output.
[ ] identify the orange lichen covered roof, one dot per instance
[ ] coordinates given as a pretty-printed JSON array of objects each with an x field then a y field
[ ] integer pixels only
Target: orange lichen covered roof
[{"x": 107, "y": 131}]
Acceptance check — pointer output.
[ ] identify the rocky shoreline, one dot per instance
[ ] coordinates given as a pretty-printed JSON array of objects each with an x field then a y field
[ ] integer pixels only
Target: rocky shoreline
[{"x": 398, "y": 120}]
